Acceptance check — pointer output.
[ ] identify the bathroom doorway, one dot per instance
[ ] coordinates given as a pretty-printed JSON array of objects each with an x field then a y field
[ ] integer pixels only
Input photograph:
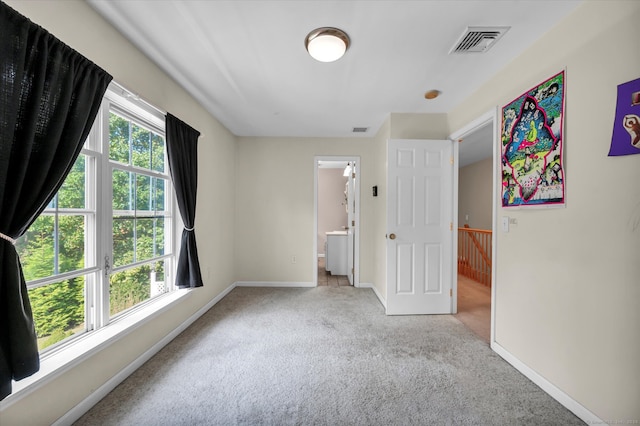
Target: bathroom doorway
[{"x": 336, "y": 221}]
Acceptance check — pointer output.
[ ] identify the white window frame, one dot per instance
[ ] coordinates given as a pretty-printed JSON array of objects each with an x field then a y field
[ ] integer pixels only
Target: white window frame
[
  {"x": 72, "y": 351},
  {"x": 100, "y": 329},
  {"x": 129, "y": 106}
]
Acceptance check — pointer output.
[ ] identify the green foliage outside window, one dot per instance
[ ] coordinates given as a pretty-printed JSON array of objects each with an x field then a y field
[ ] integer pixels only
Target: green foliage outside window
[
  {"x": 55, "y": 243},
  {"x": 58, "y": 309}
]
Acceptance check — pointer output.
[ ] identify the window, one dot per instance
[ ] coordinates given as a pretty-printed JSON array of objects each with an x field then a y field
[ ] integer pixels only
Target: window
[{"x": 104, "y": 245}]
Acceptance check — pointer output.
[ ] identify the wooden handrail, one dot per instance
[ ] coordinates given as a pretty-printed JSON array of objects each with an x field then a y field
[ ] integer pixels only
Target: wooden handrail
[
  {"x": 474, "y": 254},
  {"x": 474, "y": 240}
]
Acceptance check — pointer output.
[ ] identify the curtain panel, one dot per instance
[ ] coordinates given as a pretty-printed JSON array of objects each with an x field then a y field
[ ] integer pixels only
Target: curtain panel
[
  {"x": 182, "y": 152},
  {"x": 49, "y": 98}
]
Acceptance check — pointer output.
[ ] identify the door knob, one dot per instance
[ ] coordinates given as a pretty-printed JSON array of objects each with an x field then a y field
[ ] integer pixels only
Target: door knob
[{"x": 392, "y": 236}]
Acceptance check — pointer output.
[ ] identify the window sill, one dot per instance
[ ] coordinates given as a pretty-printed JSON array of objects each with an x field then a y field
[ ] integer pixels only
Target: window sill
[{"x": 59, "y": 361}]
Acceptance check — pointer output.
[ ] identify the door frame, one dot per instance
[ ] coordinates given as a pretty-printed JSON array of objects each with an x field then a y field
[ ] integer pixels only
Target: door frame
[
  {"x": 357, "y": 216},
  {"x": 490, "y": 116}
]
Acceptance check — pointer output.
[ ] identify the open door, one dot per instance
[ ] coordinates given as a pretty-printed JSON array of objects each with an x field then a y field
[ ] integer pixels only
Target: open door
[
  {"x": 420, "y": 227},
  {"x": 351, "y": 220}
]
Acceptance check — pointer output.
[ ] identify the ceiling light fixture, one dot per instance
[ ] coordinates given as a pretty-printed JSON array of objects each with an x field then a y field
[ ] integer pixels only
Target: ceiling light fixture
[
  {"x": 432, "y": 94},
  {"x": 327, "y": 44}
]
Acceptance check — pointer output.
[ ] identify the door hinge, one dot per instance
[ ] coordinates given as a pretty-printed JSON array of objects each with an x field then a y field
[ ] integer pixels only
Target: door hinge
[
  {"x": 450, "y": 226},
  {"x": 352, "y": 271},
  {"x": 450, "y": 292},
  {"x": 353, "y": 223},
  {"x": 353, "y": 175},
  {"x": 451, "y": 160}
]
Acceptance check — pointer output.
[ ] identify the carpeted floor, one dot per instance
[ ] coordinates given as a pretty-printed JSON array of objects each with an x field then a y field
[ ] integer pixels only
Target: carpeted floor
[{"x": 325, "y": 356}]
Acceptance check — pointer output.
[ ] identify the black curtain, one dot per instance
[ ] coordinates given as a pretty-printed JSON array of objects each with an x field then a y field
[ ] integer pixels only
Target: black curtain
[
  {"x": 49, "y": 97},
  {"x": 182, "y": 150}
]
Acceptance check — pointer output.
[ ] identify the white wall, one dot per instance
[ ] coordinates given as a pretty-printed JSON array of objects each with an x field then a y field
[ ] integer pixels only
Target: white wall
[
  {"x": 418, "y": 126},
  {"x": 379, "y": 207},
  {"x": 76, "y": 24},
  {"x": 332, "y": 212},
  {"x": 274, "y": 206},
  {"x": 475, "y": 194},
  {"x": 568, "y": 280}
]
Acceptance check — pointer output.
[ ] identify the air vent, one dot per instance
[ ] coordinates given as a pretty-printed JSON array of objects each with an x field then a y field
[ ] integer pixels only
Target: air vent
[
  {"x": 360, "y": 129},
  {"x": 478, "y": 39}
]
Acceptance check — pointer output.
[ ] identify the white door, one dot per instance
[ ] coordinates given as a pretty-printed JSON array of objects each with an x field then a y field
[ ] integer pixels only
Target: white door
[
  {"x": 351, "y": 217},
  {"x": 419, "y": 227}
]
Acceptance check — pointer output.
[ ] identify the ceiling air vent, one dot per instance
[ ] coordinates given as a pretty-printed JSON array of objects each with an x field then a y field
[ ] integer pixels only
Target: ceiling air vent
[
  {"x": 360, "y": 129},
  {"x": 478, "y": 39}
]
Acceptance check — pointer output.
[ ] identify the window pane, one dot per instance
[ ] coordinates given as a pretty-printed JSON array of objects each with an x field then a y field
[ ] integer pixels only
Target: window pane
[
  {"x": 123, "y": 190},
  {"x": 72, "y": 192},
  {"x": 118, "y": 139},
  {"x": 159, "y": 238},
  {"x": 144, "y": 239},
  {"x": 52, "y": 204},
  {"x": 71, "y": 231},
  {"x": 130, "y": 287},
  {"x": 160, "y": 186},
  {"x": 58, "y": 310},
  {"x": 123, "y": 241},
  {"x": 157, "y": 153},
  {"x": 143, "y": 193},
  {"x": 141, "y": 146},
  {"x": 36, "y": 249}
]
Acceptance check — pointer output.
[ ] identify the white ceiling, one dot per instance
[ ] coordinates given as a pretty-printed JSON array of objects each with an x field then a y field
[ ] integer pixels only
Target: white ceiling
[{"x": 245, "y": 61}]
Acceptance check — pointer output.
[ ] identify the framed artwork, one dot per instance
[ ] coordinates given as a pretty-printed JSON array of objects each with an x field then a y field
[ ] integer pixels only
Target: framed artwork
[
  {"x": 626, "y": 127},
  {"x": 531, "y": 146}
]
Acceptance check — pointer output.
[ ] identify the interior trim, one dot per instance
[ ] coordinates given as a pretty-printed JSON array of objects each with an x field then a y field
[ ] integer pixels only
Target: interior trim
[
  {"x": 273, "y": 284},
  {"x": 556, "y": 393}
]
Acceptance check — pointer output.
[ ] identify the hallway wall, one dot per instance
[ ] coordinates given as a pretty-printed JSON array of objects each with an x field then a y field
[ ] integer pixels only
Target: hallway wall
[
  {"x": 567, "y": 287},
  {"x": 475, "y": 194}
]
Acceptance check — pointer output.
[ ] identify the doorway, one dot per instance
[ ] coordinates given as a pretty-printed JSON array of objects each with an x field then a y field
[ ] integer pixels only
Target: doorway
[
  {"x": 336, "y": 221},
  {"x": 476, "y": 217}
]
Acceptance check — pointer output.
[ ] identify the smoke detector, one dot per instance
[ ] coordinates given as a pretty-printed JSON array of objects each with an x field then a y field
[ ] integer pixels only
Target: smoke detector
[{"x": 478, "y": 39}]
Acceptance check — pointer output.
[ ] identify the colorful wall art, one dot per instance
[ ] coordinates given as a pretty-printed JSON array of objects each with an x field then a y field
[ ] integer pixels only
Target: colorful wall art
[
  {"x": 532, "y": 140},
  {"x": 626, "y": 127}
]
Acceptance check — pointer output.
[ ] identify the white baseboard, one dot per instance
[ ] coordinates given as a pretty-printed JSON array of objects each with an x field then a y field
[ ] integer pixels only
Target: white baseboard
[
  {"x": 273, "y": 284},
  {"x": 382, "y": 300},
  {"x": 571, "y": 404},
  {"x": 76, "y": 412}
]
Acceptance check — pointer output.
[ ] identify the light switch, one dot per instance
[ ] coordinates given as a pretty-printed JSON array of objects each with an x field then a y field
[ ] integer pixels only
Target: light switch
[{"x": 505, "y": 223}]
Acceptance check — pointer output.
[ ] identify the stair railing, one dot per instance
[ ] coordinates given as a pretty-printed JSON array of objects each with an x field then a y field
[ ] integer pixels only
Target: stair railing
[{"x": 474, "y": 254}]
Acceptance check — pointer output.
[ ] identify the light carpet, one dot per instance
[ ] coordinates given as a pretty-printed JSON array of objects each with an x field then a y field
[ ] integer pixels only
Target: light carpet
[{"x": 325, "y": 356}]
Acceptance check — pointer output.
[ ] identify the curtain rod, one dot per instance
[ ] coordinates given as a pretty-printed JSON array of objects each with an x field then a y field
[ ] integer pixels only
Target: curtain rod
[{"x": 130, "y": 94}]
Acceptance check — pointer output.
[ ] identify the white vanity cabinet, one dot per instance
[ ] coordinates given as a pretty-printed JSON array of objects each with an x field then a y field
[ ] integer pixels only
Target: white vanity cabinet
[{"x": 336, "y": 253}]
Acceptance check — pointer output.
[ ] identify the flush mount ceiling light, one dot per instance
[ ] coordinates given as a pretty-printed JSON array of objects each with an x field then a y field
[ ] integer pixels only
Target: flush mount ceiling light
[
  {"x": 432, "y": 94},
  {"x": 327, "y": 44}
]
